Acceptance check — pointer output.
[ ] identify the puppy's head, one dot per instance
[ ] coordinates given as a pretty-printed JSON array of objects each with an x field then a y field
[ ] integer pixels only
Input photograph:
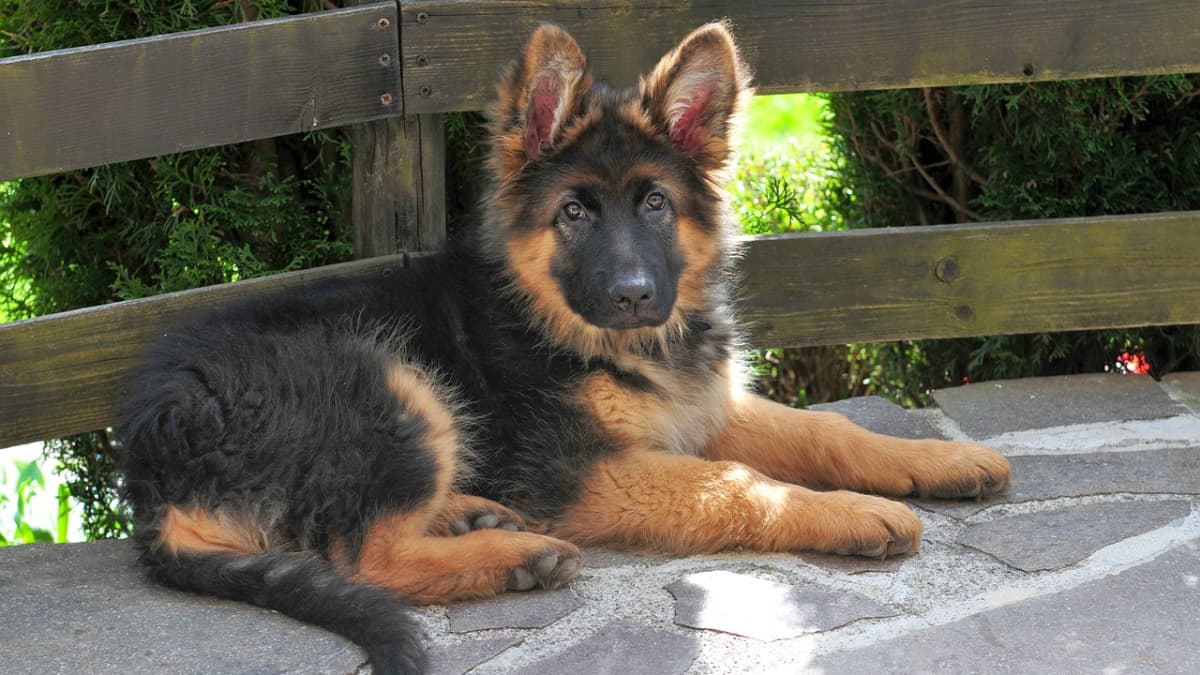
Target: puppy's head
[{"x": 606, "y": 204}]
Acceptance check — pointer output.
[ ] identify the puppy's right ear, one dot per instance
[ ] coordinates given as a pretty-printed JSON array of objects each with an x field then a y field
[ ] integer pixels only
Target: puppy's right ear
[{"x": 542, "y": 91}]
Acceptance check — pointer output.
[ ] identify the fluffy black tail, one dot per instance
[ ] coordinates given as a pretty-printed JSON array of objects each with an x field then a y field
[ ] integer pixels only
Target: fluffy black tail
[{"x": 308, "y": 588}]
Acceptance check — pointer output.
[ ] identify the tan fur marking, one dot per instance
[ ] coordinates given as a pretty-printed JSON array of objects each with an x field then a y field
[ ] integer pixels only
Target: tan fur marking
[
  {"x": 630, "y": 415},
  {"x": 574, "y": 128},
  {"x": 682, "y": 505},
  {"x": 701, "y": 254},
  {"x": 446, "y": 569},
  {"x": 199, "y": 531},
  {"x": 682, "y": 422},
  {"x": 530, "y": 258},
  {"x": 827, "y": 450},
  {"x": 419, "y": 397}
]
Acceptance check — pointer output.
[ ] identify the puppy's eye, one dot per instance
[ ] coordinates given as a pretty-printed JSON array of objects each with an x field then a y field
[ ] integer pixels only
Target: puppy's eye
[
  {"x": 655, "y": 201},
  {"x": 573, "y": 212}
]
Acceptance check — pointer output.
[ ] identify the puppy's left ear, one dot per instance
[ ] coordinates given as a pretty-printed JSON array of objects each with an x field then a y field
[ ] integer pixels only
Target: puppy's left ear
[{"x": 696, "y": 92}]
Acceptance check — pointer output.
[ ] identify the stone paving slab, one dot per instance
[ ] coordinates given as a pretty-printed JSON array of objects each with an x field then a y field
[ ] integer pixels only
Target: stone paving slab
[
  {"x": 513, "y": 610},
  {"x": 1047, "y": 540},
  {"x": 764, "y": 610},
  {"x": 87, "y": 608},
  {"x": 987, "y": 409},
  {"x": 621, "y": 648},
  {"x": 468, "y": 654},
  {"x": 1042, "y": 477},
  {"x": 1143, "y": 620},
  {"x": 1185, "y": 388},
  {"x": 881, "y": 415}
]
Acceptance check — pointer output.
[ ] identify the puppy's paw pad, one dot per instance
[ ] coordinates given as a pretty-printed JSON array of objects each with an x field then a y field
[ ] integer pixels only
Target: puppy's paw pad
[
  {"x": 550, "y": 568},
  {"x": 487, "y": 518}
]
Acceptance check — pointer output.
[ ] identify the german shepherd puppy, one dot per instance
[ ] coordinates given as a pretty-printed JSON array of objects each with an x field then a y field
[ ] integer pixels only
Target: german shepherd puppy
[{"x": 567, "y": 373}]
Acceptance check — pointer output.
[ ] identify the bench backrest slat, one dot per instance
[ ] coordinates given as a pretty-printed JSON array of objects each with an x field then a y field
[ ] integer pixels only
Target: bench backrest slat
[
  {"x": 810, "y": 46},
  {"x": 83, "y": 107}
]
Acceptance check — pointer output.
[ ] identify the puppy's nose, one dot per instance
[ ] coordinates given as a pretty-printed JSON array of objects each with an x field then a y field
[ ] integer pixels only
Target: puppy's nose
[{"x": 631, "y": 293}]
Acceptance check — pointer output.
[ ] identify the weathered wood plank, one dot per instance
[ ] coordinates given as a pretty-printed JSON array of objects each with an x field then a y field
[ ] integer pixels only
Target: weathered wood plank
[
  {"x": 399, "y": 201},
  {"x": 970, "y": 280},
  {"x": 126, "y": 100},
  {"x": 453, "y": 49},
  {"x": 61, "y": 374}
]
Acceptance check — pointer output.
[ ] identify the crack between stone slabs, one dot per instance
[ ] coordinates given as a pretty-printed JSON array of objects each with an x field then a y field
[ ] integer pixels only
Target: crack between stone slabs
[
  {"x": 1009, "y": 509},
  {"x": 1112, "y": 559},
  {"x": 1009, "y": 566}
]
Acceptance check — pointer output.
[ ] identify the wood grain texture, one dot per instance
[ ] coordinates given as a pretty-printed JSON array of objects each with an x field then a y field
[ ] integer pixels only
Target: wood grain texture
[
  {"x": 399, "y": 201},
  {"x": 125, "y": 100},
  {"x": 453, "y": 49},
  {"x": 970, "y": 280},
  {"x": 62, "y": 374}
]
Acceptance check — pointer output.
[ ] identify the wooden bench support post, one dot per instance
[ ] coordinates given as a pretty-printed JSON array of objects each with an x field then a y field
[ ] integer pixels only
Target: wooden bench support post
[{"x": 399, "y": 185}]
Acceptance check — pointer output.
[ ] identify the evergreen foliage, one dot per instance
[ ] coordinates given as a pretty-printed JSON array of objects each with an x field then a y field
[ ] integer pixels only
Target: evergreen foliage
[
  {"x": 180, "y": 221},
  {"x": 1081, "y": 148}
]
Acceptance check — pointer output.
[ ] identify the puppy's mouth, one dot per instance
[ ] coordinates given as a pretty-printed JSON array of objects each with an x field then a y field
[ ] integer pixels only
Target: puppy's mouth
[{"x": 634, "y": 322}]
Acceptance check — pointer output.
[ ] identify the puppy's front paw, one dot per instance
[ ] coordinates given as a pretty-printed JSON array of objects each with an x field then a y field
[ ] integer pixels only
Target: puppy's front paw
[
  {"x": 550, "y": 568},
  {"x": 950, "y": 470},
  {"x": 874, "y": 527}
]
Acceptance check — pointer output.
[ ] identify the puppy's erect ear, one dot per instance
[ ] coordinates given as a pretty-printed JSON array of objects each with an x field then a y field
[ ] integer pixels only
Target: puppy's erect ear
[
  {"x": 695, "y": 93},
  {"x": 538, "y": 95}
]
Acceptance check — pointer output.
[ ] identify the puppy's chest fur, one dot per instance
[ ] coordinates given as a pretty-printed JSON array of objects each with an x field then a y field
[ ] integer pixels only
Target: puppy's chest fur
[{"x": 644, "y": 404}]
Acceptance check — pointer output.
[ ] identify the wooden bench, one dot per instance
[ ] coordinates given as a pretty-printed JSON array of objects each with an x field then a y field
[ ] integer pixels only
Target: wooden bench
[{"x": 390, "y": 70}]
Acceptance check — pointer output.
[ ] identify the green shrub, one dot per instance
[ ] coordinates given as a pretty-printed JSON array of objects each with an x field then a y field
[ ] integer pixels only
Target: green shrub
[
  {"x": 179, "y": 221},
  {"x": 787, "y": 176},
  {"x": 926, "y": 157},
  {"x": 1086, "y": 148}
]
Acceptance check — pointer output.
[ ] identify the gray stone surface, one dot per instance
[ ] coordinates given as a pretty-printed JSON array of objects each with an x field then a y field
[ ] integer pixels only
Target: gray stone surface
[
  {"x": 1047, "y": 540},
  {"x": 86, "y": 608},
  {"x": 535, "y": 609},
  {"x": 1143, "y": 620},
  {"x": 622, "y": 648},
  {"x": 1175, "y": 471},
  {"x": 1037, "y": 477},
  {"x": 598, "y": 558},
  {"x": 764, "y": 610},
  {"x": 882, "y": 416},
  {"x": 1185, "y": 388},
  {"x": 987, "y": 409},
  {"x": 463, "y": 656},
  {"x": 849, "y": 564}
]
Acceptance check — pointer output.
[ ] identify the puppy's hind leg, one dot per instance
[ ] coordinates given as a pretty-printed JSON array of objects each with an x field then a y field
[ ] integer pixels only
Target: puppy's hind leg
[{"x": 402, "y": 551}]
